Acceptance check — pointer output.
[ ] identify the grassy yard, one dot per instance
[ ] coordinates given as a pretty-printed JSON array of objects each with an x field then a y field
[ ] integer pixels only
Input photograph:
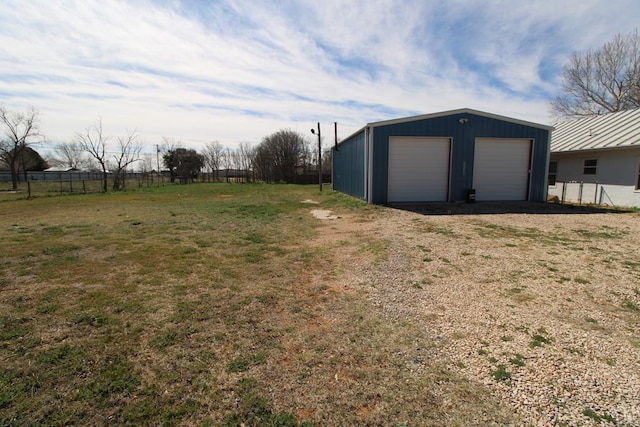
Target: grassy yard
[{"x": 206, "y": 304}]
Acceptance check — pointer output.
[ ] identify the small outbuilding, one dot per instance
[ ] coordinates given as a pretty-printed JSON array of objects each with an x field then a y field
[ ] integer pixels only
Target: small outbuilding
[
  {"x": 597, "y": 159},
  {"x": 445, "y": 157}
]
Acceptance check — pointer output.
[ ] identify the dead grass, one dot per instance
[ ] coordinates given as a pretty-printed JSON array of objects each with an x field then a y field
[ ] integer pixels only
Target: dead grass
[{"x": 209, "y": 305}]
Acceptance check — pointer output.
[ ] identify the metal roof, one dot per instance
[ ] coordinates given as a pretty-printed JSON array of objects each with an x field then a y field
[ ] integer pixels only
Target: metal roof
[
  {"x": 460, "y": 111},
  {"x": 604, "y": 132},
  {"x": 449, "y": 113}
]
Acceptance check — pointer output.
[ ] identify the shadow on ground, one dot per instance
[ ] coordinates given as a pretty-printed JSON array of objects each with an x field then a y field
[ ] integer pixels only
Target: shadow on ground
[{"x": 492, "y": 208}]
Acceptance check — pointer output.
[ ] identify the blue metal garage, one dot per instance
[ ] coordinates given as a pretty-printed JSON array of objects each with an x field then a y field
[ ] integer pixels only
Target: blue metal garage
[{"x": 441, "y": 157}]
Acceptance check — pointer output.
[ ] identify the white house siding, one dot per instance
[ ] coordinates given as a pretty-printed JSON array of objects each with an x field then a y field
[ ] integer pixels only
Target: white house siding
[{"x": 616, "y": 177}]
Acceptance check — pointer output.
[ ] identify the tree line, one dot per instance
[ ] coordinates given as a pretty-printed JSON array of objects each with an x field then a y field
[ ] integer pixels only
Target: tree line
[{"x": 279, "y": 157}]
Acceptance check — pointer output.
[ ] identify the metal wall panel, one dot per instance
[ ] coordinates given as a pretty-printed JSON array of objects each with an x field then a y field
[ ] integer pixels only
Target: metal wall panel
[
  {"x": 349, "y": 166},
  {"x": 463, "y": 128}
]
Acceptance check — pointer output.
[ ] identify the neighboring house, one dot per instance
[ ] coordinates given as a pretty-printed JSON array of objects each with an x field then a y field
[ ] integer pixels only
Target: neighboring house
[
  {"x": 597, "y": 160},
  {"x": 444, "y": 157},
  {"x": 231, "y": 173},
  {"x": 61, "y": 169}
]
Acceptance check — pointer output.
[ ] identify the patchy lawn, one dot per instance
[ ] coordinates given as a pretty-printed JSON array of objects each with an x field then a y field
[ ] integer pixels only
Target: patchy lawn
[
  {"x": 210, "y": 305},
  {"x": 231, "y": 304}
]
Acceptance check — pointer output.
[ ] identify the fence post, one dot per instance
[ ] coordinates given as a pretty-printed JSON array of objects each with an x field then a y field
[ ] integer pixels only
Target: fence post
[
  {"x": 29, "y": 189},
  {"x": 564, "y": 192},
  {"x": 580, "y": 193},
  {"x": 601, "y": 195},
  {"x": 84, "y": 188}
]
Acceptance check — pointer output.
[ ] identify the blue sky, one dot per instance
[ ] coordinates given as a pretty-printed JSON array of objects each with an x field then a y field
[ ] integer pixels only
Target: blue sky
[{"x": 236, "y": 71}]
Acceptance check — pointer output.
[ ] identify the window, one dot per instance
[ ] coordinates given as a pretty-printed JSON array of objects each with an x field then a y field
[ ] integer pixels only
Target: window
[
  {"x": 553, "y": 172},
  {"x": 590, "y": 166},
  {"x": 638, "y": 177}
]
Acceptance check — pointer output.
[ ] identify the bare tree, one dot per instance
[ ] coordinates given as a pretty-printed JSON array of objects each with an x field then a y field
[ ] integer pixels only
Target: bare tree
[
  {"x": 602, "y": 80},
  {"x": 245, "y": 155},
  {"x": 227, "y": 161},
  {"x": 279, "y": 155},
  {"x": 147, "y": 163},
  {"x": 95, "y": 143},
  {"x": 169, "y": 144},
  {"x": 129, "y": 152},
  {"x": 327, "y": 156},
  {"x": 20, "y": 128},
  {"x": 71, "y": 155},
  {"x": 213, "y": 153}
]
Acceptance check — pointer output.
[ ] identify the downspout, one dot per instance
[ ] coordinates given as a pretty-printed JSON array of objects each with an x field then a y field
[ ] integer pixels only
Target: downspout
[
  {"x": 334, "y": 151},
  {"x": 530, "y": 177},
  {"x": 367, "y": 184},
  {"x": 546, "y": 169},
  {"x": 369, "y": 147}
]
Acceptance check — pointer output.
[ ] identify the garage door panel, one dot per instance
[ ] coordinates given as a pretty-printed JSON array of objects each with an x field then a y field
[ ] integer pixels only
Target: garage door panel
[
  {"x": 501, "y": 169},
  {"x": 418, "y": 169}
]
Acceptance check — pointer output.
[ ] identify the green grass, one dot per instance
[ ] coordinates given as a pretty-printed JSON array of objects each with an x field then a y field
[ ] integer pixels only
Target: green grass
[
  {"x": 605, "y": 234},
  {"x": 52, "y": 188},
  {"x": 533, "y": 235},
  {"x": 517, "y": 360},
  {"x": 207, "y": 304},
  {"x": 539, "y": 340},
  {"x": 489, "y": 230},
  {"x": 590, "y": 413},
  {"x": 501, "y": 374}
]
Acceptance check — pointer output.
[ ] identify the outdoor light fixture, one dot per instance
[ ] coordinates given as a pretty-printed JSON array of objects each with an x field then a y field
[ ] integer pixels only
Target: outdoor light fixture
[
  {"x": 313, "y": 131},
  {"x": 463, "y": 121}
]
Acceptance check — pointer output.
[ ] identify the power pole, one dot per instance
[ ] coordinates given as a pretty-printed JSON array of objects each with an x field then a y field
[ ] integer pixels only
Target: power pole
[
  {"x": 313, "y": 131},
  {"x": 319, "y": 158},
  {"x": 158, "y": 163}
]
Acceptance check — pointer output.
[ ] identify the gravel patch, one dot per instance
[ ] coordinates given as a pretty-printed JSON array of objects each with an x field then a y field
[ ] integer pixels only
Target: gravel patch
[
  {"x": 540, "y": 304},
  {"x": 323, "y": 214}
]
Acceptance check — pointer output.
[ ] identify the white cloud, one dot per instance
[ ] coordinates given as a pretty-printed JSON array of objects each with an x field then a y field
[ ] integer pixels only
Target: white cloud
[{"x": 241, "y": 70}]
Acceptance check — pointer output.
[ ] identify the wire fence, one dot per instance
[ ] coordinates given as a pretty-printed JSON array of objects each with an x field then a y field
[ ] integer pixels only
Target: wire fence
[
  {"x": 39, "y": 185},
  {"x": 47, "y": 184},
  {"x": 581, "y": 193}
]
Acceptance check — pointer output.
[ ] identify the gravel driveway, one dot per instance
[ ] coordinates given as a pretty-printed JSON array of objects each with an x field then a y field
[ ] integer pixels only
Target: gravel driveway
[{"x": 540, "y": 303}]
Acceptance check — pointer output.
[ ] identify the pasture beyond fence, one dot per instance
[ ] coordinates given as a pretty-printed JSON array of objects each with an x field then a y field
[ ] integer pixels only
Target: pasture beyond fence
[{"x": 42, "y": 184}]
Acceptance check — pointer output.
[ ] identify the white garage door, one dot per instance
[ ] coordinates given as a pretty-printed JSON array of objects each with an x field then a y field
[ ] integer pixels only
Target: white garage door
[
  {"x": 418, "y": 169},
  {"x": 501, "y": 169}
]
